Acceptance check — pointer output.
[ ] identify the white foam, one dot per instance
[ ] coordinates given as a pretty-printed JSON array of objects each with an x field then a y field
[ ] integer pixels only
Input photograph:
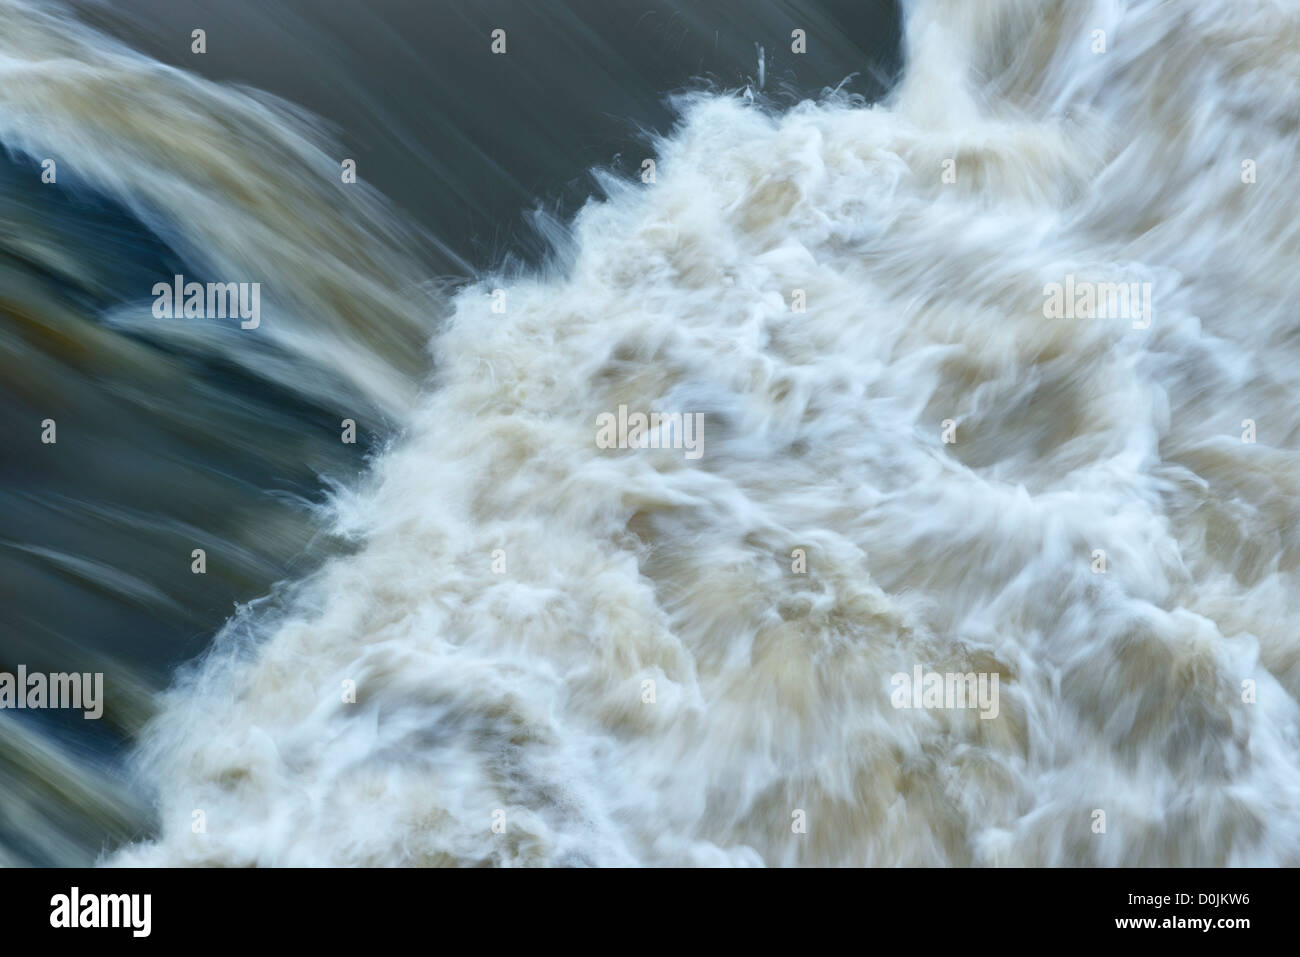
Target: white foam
[{"x": 1122, "y": 692}]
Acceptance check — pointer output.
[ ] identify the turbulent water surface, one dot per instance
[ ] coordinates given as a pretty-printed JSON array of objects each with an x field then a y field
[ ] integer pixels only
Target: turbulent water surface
[{"x": 563, "y": 653}]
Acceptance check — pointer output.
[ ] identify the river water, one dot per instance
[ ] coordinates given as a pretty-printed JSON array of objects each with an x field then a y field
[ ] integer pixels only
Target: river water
[{"x": 478, "y": 634}]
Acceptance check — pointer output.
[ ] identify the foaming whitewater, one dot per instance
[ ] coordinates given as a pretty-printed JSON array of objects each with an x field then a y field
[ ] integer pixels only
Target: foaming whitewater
[{"x": 514, "y": 586}]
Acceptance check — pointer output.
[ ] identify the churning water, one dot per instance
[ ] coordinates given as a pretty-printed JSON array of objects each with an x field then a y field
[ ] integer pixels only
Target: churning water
[{"x": 530, "y": 646}]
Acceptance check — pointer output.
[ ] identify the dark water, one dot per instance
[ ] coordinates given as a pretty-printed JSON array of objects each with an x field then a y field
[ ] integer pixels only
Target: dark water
[
  {"x": 163, "y": 446},
  {"x": 468, "y": 143}
]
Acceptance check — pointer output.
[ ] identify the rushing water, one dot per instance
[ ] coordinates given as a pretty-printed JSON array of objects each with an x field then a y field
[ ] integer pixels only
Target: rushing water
[{"x": 479, "y": 635}]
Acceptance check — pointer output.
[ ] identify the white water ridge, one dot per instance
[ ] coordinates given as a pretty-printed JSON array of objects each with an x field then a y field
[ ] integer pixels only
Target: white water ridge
[{"x": 570, "y": 654}]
